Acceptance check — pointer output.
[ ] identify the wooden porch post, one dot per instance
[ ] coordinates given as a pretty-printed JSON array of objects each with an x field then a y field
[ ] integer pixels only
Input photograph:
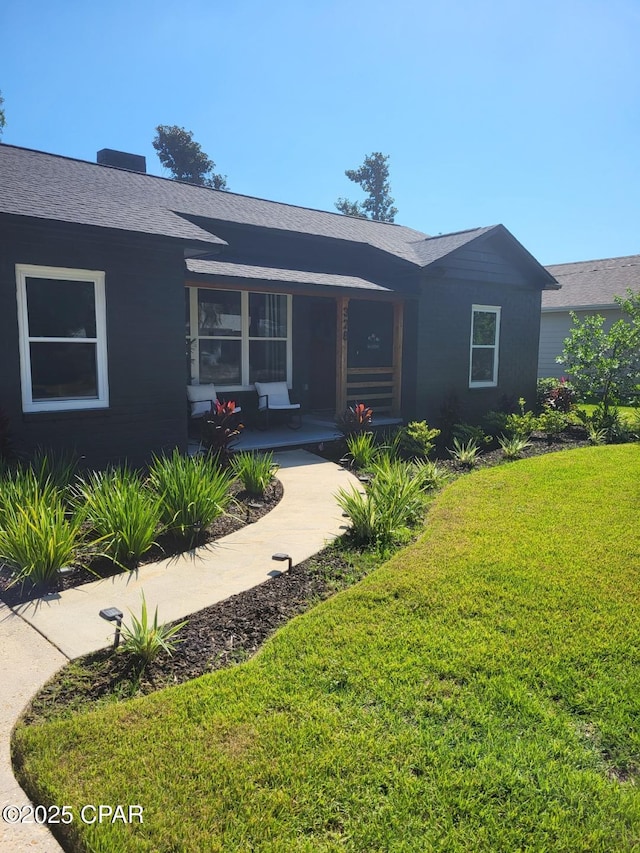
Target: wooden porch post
[
  {"x": 398, "y": 325},
  {"x": 342, "y": 332}
]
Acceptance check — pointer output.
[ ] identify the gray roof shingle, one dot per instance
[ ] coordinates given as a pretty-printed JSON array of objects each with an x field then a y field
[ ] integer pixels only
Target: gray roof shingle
[
  {"x": 288, "y": 276},
  {"x": 592, "y": 283},
  {"x": 49, "y": 186}
]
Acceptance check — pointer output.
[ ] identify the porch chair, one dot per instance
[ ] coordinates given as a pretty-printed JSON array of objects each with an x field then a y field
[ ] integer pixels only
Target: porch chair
[
  {"x": 201, "y": 399},
  {"x": 274, "y": 397}
]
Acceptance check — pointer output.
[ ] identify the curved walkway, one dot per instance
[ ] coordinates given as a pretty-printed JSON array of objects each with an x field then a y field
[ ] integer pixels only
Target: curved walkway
[{"x": 39, "y": 637}]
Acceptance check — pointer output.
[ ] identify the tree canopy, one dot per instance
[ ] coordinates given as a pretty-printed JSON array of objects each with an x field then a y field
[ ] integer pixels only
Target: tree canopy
[
  {"x": 605, "y": 364},
  {"x": 182, "y": 155},
  {"x": 2, "y": 115},
  {"x": 373, "y": 177}
]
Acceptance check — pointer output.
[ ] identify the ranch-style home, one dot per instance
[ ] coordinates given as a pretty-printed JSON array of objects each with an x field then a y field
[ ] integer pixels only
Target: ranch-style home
[
  {"x": 587, "y": 287},
  {"x": 118, "y": 288}
]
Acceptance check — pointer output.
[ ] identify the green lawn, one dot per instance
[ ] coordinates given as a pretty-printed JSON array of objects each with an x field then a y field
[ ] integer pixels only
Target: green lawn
[{"x": 479, "y": 692}]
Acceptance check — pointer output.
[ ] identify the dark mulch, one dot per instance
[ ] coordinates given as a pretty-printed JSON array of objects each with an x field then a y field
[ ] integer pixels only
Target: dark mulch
[
  {"x": 215, "y": 637},
  {"x": 245, "y": 509},
  {"x": 227, "y": 632}
]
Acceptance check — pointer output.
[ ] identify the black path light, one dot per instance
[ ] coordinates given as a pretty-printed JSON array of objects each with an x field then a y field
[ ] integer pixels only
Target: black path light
[
  {"x": 281, "y": 558},
  {"x": 112, "y": 614}
]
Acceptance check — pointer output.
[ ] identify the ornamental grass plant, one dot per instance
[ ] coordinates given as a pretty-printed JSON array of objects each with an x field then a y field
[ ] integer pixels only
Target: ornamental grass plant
[
  {"x": 121, "y": 511},
  {"x": 191, "y": 492},
  {"x": 254, "y": 470}
]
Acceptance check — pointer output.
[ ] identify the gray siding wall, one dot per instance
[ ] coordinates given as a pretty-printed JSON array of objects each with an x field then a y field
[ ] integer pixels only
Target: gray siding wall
[
  {"x": 443, "y": 341},
  {"x": 555, "y": 326},
  {"x": 145, "y": 344}
]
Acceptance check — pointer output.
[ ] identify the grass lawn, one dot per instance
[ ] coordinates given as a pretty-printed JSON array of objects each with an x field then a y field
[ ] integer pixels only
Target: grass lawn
[{"x": 479, "y": 692}]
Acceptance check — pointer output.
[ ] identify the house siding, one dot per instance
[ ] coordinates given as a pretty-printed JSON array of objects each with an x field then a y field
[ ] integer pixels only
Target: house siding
[
  {"x": 555, "y": 326},
  {"x": 145, "y": 344},
  {"x": 444, "y": 330}
]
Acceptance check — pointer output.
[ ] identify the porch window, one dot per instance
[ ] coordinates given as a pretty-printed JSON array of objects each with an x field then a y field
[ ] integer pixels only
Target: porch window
[
  {"x": 238, "y": 338},
  {"x": 485, "y": 336},
  {"x": 62, "y": 327}
]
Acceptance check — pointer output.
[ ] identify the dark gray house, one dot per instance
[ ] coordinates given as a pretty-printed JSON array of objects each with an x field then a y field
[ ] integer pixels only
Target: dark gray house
[{"x": 117, "y": 288}]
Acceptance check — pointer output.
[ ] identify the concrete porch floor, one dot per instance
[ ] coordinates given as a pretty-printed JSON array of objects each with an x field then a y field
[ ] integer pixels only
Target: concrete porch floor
[{"x": 315, "y": 430}]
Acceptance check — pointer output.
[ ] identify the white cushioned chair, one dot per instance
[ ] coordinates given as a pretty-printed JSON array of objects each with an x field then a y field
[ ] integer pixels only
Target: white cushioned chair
[
  {"x": 201, "y": 399},
  {"x": 274, "y": 397}
]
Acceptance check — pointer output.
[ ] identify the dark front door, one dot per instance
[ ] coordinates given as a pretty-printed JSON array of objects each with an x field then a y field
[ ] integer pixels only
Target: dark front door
[{"x": 322, "y": 372}]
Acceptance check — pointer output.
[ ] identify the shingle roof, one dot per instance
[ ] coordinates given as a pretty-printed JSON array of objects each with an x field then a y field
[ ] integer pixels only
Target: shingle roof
[
  {"x": 289, "y": 276},
  {"x": 588, "y": 283},
  {"x": 430, "y": 249},
  {"x": 48, "y": 186}
]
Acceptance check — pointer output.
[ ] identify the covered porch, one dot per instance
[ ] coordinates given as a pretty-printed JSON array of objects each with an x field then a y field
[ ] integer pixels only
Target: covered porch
[{"x": 333, "y": 346}]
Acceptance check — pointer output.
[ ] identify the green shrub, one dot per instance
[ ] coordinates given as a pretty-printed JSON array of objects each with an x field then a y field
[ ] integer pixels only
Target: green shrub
[
  {"x": 392, "y": 503},
  {"x": 465, "y": 454},
  {"x": 430, "y": 476},
  {"x": 608, "y": 425},
  {"x": 57, "y": 467},
  {"x": 553, "y": 423},
  {"x": 146, "y": 640},
  {"x": 512, "y": 446},
  {"x": 523, "y": 424},
  {"x": 123, "y": 513},
  {"x": 469, "y": 432},
  {"x": 362, "y": 450},
  {"x": 38, "y": 536},
  {"x": 191, "y": 492},
  {"x": 255, "y": 470},
  {"x": 417, "y": 439}
]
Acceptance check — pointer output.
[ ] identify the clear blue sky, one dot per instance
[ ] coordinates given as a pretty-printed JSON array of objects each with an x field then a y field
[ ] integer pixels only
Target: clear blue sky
[{"x": 525, "y": 113}]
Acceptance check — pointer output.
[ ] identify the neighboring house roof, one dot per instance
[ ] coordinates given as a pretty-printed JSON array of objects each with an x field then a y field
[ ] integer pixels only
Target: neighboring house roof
[
  {"x": 228, "y": 270},
  {"x": 592, "y": 284}
]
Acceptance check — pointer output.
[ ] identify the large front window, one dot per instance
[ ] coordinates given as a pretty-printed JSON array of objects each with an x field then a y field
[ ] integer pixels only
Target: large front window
[
  {"x": 62, "y": 325},
  {"x": 485, "y": 336},
  {"x": 238, "y": 338}
]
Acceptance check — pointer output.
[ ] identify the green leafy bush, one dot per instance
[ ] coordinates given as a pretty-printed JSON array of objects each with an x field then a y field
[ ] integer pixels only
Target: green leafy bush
[
  {"x": 123, "y": 513},
  {"x": 392, "y": 503},
  {"x": 191, "y": 492},
  {"x": 429, "y": 474},
  {"x": 465, "y": 453},
  {"x": 38, "y": 536},
  {"x": 522, "y": 424},
  {"x": 606, "y": 424},
  {"x": 255, "y": 470},
  {"x": 417, "y": 439},
  {"x": 146, "y": 640},
  {"x": 512, "y": 446},
  {"x": 470, "y": 432},
  {"x": 553, "y": 423},
  {"x": 362, "y": 450}
]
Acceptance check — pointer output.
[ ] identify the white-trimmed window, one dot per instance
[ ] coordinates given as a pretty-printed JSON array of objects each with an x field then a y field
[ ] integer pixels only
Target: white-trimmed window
[
  {"x": 238, "y": 338},
  {"x": 63, "y": 338},
  {"x": 485, "y": 343}
]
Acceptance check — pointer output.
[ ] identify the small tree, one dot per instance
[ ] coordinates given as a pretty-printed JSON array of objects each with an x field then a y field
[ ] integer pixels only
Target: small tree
[
  {"x": 373, "y": 177},
  {"x": 185, "y": 159},
  {"x": 605, "y": 365}
]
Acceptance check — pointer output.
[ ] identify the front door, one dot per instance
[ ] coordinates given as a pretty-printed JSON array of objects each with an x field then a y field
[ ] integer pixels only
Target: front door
[{"x": 322, "y": 368}]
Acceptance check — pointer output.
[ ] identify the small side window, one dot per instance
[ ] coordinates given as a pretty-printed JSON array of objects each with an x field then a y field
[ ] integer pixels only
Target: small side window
[{"x": 485, "y": 338}]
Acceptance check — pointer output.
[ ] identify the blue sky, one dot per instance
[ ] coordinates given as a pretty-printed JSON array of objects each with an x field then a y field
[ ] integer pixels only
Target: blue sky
[{"x": 525, "y": 113}]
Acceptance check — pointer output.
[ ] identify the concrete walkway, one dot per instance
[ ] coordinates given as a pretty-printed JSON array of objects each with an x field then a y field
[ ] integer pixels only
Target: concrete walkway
[{"x": 38, "y": 638}]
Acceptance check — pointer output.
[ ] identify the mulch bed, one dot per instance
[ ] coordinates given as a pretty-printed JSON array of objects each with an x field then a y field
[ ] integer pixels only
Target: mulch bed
[
  {"x": 245, "y": 509},
  {"x": 230, "y": 631}
]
